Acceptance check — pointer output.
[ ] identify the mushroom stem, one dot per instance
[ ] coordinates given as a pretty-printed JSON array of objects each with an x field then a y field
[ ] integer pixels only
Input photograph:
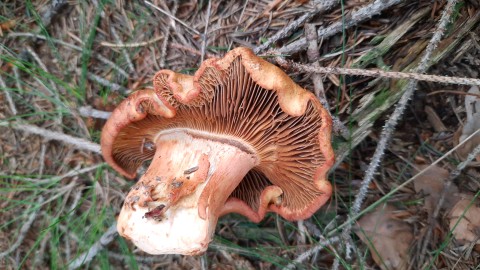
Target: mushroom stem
[{"x": 175, "y": 206}]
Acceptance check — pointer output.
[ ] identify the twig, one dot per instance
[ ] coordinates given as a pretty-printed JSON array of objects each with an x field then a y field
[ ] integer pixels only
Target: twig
[
  {"x": 79, "y": 143},
  {"x": 43, "y": 150},
  {"x": 98, "y": 246},
  {"x": 392, "y": 122},
  {"x": 131, "y": 45},
  {"x": 113, "y": 86},
  {"x": 452, "y": 92},
  {"x": 125, "y": 53},
  {"x": 18, "y": 82},
  {"x": 326, "y": 5},
  {"x": 159, "y": 261},
  {"x": 166, "y": 34},
  {"x": 362, "y": 14},
  {"x": 40, "y": 251},
  {"x": 313, "y": 54},
  {"x": 190, "y": 50},
  {"x": 302, "y": 233},
  {"x": 204, "y": 262},
  {"x": 25, "y": 227},
  {"x": 322, "y": 244},
  {"x": 88, "y": 111},
  {"x": 173, "y": 17},
  {"x": 377, "y": 73},
  {"x": 11, "y": 104},
  {"x": 71, "y": 173},
  {"x": 205, "y": 32}
]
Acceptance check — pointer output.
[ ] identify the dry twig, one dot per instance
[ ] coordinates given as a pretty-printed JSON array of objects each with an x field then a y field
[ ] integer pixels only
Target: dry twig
[
  {"x": 98, "y": 246},
  {"x": 326, "y": 5},
  {"x": 113, "y": 86},
  {"x": 313, "y": 54},
  {"x": 322, "y": 244},
  {"x": 132, "y": 44},
  {"x": 89, "y": 111},
  {"x": 166, "y": 34},
  {"x": 187, "y": 26},
  {"x": 360, "y": 15},
  {"x": 125, "y": 53},
  {"x": 78, "y": 143},
  {"x": 24, "y": 229},
  {"x": 11, "y": 104},
  {"x": 377, "y": 73},
  {"x": 205, "y": 32}
]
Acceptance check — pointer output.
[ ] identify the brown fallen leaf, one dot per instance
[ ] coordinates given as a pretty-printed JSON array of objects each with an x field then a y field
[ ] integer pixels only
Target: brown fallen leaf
[
  {"x": 387, "y": 238},
  {"x": 431, "y": 183},
  {"x": 465, "y": 222},
  {"x": 471, "y": 124}
]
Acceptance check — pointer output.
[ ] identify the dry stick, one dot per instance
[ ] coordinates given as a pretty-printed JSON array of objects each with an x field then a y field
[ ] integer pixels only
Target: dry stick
[
  {"x": 159, "y": 261},
  {"x": 125, "y": 53},
  {"x": 453, "y": 92},
  {"x": 98, "y": 246},
  {"x": 326, "y": 5},
  {"x": 79, "y": 143},
  {"x": 173, "y": 17},
  {"x": 71, "y": 46},
  {"x": 313, "y": 55},
  {"x": 25, "y": 227},
  {"x": 377, "y": 73},
  {"x": 205, "y": 32},
  {"x": 322, "y": 244},
  {"x": 131, "y": 45},
  {"x": 89, "y": 111},
  {"x": 163, "y": 55},
  {"x": 43, "y": 151},
  {"x": 11, "y": 104},
  {"x": 362, "y": 14},
  {"x": 238, "y": 22},
  {"x": 391, "y": 124},
  {"x": 113, "y": 86}
]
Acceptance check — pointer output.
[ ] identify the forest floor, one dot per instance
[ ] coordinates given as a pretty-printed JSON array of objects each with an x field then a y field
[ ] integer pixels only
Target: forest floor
[{"x": 405, "y": 188}]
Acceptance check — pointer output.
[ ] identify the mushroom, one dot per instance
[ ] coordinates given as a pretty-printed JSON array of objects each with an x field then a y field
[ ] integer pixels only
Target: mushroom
[{"x": 237, "y": 137}]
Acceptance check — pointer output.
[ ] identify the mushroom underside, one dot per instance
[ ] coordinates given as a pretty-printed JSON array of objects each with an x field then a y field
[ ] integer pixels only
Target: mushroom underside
[
  {"x": 287, "y": 146},
  {"x": 227, "y": 144}
]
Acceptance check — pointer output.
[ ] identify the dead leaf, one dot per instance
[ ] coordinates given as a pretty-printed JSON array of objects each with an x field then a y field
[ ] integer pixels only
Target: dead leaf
[
  {"x": 387, "y": 238},
  {"x": 465, "y": 222},
  {"x": 472, "y": 124},
  {"x": 431, "y": 183}
]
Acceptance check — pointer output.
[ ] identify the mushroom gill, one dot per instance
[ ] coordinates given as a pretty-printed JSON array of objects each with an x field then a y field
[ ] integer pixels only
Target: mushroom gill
[{"x": 231, "y": 107}]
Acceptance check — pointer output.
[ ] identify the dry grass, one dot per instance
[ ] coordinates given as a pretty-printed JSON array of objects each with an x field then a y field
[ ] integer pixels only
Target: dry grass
[{"x": 57, "y": 59}]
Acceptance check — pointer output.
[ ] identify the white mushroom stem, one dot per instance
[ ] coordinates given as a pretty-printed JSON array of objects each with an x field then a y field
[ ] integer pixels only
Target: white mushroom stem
[{"x": 176, "y": 204}]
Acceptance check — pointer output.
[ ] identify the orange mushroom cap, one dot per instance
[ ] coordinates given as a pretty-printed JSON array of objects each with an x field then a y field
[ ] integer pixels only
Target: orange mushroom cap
[{"x": 245, "y": 102}]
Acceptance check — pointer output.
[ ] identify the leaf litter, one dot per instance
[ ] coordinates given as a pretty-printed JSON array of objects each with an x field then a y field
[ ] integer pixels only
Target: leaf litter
[{"x": 387, "y": 236}]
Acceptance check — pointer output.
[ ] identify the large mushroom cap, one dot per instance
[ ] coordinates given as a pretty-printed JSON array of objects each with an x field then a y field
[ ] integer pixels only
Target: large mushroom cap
[{"x": 244, "y": 102}]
